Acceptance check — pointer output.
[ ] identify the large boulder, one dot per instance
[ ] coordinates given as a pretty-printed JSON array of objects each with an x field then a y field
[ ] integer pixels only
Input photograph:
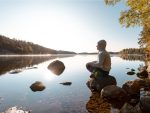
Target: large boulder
[
  {"x": 100, "y": 82},
  {"x": 133, "y": 90},
  {"x": 114, "y": 95},
  {"x": 37, "y": 86},
  {"x": 57, "y": 67},
  {"x": 133, "y": 87}
]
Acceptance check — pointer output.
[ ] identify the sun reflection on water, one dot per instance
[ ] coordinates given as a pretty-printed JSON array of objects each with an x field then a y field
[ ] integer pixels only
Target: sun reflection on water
[{"x": 48, "y": 76}]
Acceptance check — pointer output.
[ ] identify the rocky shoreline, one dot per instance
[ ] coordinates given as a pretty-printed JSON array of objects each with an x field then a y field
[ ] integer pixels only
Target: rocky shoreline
[{"x": 132, "y": 97}]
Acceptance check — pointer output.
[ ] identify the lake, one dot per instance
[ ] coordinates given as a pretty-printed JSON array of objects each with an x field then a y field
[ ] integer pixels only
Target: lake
[{"x": 18, "y": 73}]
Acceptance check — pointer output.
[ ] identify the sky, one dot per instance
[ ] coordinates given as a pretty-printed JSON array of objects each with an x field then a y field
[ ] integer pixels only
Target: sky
[{"x": 71, "y": 25}]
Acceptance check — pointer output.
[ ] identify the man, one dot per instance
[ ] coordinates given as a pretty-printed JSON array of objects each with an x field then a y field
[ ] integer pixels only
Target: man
[
  {"x": 102, "y": 66},
  {"x": 104, "y": 61}
]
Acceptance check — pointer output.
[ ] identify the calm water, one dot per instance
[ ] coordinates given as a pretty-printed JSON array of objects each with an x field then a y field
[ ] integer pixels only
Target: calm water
[{"x": 56, "y": 98}]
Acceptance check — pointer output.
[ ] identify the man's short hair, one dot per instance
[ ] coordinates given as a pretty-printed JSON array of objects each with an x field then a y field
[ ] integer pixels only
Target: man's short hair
[{"x": 102, "y": 42}]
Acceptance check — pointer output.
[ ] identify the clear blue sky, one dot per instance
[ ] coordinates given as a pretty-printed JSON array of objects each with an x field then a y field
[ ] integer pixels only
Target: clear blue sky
[{"x": 72, "y": 25}]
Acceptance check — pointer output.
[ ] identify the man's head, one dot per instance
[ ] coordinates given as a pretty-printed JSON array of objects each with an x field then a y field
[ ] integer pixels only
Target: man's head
[{"x": 101, "y": 45}]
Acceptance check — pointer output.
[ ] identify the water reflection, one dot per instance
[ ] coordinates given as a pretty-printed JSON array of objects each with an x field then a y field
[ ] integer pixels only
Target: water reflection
[
  {"x": 17, "y": 64},
  {"x": 142, "y": 69},
  {"x": 133, "y": 57},
  {"x": 96, "y": 104},
  {"x": 57, "y": 98},
  {"x": 141, "y": 57}
]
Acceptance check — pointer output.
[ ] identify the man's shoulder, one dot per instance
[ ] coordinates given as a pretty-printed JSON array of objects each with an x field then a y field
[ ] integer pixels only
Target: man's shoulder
[{"x": 104, "y": 52}]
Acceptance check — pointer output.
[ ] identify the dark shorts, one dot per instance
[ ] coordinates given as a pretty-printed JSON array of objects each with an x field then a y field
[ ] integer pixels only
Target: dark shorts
[{"x": 102, "y": 71}]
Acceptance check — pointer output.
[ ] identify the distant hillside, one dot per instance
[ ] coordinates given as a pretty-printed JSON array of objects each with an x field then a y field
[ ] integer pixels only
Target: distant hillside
[
  {"x": 66, "y": 52},
  {"x": 14, "y": 46}
]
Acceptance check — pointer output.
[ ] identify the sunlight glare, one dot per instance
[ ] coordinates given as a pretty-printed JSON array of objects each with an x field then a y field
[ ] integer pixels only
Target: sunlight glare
[{"x": 48, "y": 76}]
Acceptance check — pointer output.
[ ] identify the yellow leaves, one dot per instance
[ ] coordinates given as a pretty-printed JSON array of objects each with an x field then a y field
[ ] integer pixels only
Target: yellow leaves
[
  {"x": 129, "y": 18},
  {"x": 138, "y": 14}
]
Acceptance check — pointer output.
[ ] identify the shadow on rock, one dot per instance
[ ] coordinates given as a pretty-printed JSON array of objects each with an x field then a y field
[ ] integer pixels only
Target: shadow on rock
[
  {"x": 57, "y": 67},
  {"x": 97, "y": 84},
  {"x": 37, "y": 86}
]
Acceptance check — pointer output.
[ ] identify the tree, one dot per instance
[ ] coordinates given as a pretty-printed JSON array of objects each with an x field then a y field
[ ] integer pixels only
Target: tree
[{"x": 138, "y": 14}]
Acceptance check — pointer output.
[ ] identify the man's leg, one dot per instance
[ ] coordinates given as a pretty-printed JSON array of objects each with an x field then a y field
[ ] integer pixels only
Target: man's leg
[{"x": 89, "y": 67}]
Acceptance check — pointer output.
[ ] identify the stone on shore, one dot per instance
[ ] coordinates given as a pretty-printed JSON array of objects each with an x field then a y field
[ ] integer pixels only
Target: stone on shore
[
  {"x": 133, "y": 87},
  {"x": 133, "y": 90},
  {"x": 114, "y": 95}
]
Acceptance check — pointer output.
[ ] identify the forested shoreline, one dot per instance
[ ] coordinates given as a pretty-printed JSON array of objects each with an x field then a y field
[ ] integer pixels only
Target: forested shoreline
[{"x": 13, "y": 46}]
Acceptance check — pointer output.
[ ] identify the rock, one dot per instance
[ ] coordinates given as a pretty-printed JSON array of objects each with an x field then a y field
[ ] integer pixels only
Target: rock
[
  {"x": 147, "y": 84},
  {"x": 15, "y": 110},
  {"x": 127, "y": 108},
  {"x": 105, "y": 81},
  {"x": 66, "y": 83},
  {"x": 132, "y": 69},
  {"x": 133, "y": 87},
  {"x": 37, "y": 86},
  {"x": 99, "y": 83},
  {"x": 131, "y": 73},
  {"x": 57, "y": 67},
  {"x": 145, "y": 104},
  {"x": 142, "y": 74},
  {"x": 142, "y": 68},
  {"x": 114, "y": 95},
  {"x": 15, "y": 71},
  {"x": 113, "y": 92},
  {"x": 133, "y": 90}
]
